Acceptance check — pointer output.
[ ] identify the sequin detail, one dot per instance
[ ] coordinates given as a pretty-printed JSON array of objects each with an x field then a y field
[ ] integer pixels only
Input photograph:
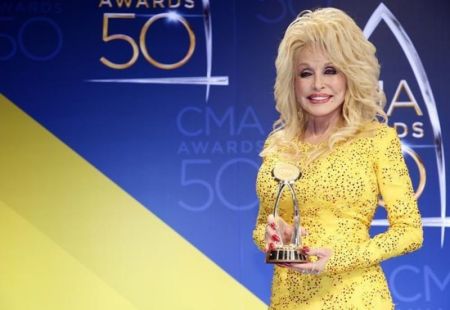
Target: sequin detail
[{"x": 338, "y": 195}]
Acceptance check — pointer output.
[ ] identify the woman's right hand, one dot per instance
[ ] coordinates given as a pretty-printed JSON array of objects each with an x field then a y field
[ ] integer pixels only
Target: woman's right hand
[{"x": 278, "y": 231}]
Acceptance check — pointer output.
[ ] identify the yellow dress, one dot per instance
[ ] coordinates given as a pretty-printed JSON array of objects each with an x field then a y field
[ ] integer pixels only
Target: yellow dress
[{"x": 338, "y": 195}]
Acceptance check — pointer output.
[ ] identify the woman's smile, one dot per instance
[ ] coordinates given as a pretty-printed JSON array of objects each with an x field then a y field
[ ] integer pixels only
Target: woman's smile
[{"x": 319, "y": 98}]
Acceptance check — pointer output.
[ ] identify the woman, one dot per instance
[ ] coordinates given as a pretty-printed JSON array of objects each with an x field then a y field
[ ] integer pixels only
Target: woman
[{"x": 332, "y": 126}]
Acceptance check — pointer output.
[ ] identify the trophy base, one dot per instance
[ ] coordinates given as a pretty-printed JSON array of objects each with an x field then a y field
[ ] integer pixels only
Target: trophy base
[{"x": 286, "y": 255}]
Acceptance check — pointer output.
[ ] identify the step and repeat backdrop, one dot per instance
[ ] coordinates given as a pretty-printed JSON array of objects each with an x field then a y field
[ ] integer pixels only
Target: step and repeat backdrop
[{"x": 129, "y": 141}]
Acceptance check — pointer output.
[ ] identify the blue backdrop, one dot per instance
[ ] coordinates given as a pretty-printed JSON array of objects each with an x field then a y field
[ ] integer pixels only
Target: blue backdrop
[{"x": 184, "y": 140}]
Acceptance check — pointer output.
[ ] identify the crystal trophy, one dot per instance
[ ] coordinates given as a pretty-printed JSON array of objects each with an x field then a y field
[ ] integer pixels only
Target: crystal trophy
[{"x": 286, "y": 174}]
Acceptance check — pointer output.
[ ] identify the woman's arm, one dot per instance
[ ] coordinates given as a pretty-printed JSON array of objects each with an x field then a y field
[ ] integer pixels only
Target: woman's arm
[
  {"x": 263, "y": 184},
  {"x": 405, "y": 232}
]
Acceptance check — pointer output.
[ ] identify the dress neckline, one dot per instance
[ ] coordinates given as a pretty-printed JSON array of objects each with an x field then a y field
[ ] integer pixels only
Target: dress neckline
[{"x": 311, "y": 145}]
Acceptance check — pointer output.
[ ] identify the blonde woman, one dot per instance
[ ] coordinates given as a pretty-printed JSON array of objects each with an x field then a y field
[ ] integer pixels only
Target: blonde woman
[{"x": 333, "y": 127}]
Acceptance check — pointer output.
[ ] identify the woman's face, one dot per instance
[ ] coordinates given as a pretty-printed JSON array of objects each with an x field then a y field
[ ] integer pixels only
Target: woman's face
[{"x": 319, "y": 86}]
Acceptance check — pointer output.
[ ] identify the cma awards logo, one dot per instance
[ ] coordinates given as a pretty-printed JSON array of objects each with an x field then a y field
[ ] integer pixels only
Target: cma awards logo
[
  {"x": 140, "y": 47},
  {"x": 383, "y": 13}
]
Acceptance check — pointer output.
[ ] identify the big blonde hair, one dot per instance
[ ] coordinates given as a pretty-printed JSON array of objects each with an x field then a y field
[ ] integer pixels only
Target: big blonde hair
[{"x": 335, "y": 33}]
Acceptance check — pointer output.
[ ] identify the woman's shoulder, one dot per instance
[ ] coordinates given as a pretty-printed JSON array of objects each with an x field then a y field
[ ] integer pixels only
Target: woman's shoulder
[
  {"x": 383, "y": 140},
  {"x": 379, "y": 131},
  {"x": 277, "y": 141}
]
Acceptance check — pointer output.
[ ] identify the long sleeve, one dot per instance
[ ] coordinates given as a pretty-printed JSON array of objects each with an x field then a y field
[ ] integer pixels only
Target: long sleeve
[
  {"x": 260, "y": 228},
  {"x": 265, "y": 204},
  {"x": 405, "y": 232}
]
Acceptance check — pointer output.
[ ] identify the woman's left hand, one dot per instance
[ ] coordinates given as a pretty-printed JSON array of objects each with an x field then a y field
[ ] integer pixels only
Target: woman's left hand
[{"x": 316, "y": 267}]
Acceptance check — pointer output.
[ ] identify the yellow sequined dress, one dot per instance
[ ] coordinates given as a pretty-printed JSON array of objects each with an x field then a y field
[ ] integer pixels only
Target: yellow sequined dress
[{"x": 338, "y": 195}]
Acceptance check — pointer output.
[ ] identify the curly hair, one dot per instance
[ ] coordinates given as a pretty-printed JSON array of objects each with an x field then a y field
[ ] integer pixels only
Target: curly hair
[{"x": 338, "y": 36}]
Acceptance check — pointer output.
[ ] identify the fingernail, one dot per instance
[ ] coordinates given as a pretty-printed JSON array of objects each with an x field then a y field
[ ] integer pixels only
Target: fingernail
[
  {"x": 272, "y": 225},
  {"x": 271, "y": 246},
  {"x": 305, "y": 249},
  {"x": 275, "y": 237}
]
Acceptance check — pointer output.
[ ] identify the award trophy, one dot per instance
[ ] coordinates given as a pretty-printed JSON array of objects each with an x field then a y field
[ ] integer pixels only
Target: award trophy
[{"x": 286, "y": 175}]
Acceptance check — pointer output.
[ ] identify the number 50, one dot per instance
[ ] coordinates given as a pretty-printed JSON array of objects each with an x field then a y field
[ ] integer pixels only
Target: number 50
[{"x": 142, "y": 44}]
